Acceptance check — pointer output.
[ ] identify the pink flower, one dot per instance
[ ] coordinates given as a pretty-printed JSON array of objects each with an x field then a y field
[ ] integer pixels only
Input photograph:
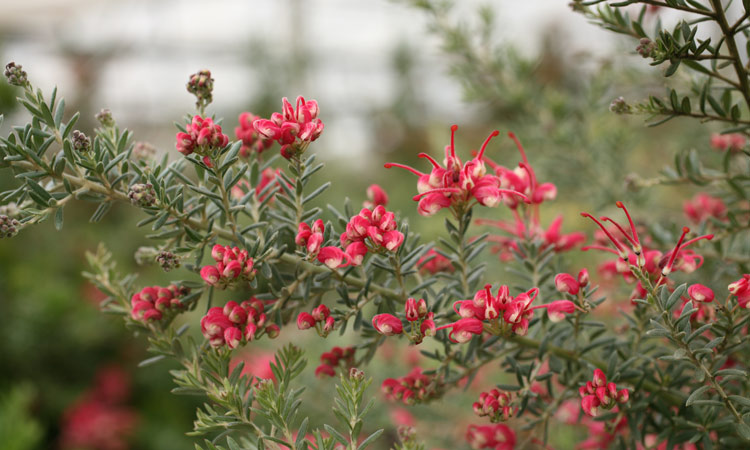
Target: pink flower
[
  {"x": 497, "y": 437},
  {"x": 457, "y": 184},
  {"x": 231, "y": 264},
  {"x": 305, "y": 320},
  {"x": 557, "y": 310},
  {"x": 252, "y": 141},
  {"x": 704, "y": 206},
  {"x": 387, "y": 324},
  {"x": 733, "y": 142},
  {"x": 294, "y": 129},
  {"x": 741, "y": 289},
  {"x": 332, "y": 257},
  {"x": 376, "y": 196},
  {"x": 433, "y": 262},
  {"x": 464, "y": 329},
  {"x": 700, "y": 293},
  {"x": 201, "y": 136},
  {"x": 566, "y": 284}
]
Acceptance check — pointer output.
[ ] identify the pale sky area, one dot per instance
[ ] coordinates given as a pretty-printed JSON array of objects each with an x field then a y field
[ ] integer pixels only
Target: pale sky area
[{"x": 150, "y": 47}]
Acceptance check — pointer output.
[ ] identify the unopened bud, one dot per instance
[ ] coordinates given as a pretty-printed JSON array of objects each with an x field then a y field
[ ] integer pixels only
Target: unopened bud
[
  {"x": 143, "y": 150},
  {"x": 168, "y": 260},
  {"x": 619, "y": 106},
  {"x": 8, "y": 227},
  {"x": 142, "y": 195},
  {"x": 80, "y": 141},
  {"x": 105, "y": 118},
  {"x": 646, "y": 47},
  {"x": 201, "y": 85},
  {"x": 15, "y": 74},
  {"x": 356, "y": 374}
]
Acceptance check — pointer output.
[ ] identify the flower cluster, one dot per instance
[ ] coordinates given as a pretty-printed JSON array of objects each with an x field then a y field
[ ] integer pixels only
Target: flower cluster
[
  {"x": 456, "y": 185},
  {"x": 504, "y": 312},
  {"x": 703, "y": 206},
  {"x": 142, "y": 195},
  {"x": 15, "y": 74},
  {"x": 371, "y": 231},
  {"x": 201, "y": 136},
  {"x": 331, "y": 360},
  {"x": 237, "y": 324},
  {"x": 637, "y": 256},
  {"x": 734, "y": 142},
  {"x": 201, "y": 85},
  {"x": 376, "y": 196},
  {"x": 252, "y": 141},
  {"x": 80, "y": 142},
  {"x": 600, "y": 394},
  {"x": 568, "y": 284},
  {"x": 310, "y": 237},
  {"x": 741, "y": 290},
  {"x": 168, "y": 260},
  {"x": 263, "y": 189},
  {"x": 231, "y": 264},
  {"x": 495, "y": 404},
  {"x": 433, "y": 262},
  {"x": 320, "y": 319},
  {"x": 700, "y": 296},
  {"x": 8, "y": 226},
  {"x": 293, "y": 128},
  {"x": 101, "y": 419},
  {"x": 152, "y": 303},
  {"x": 420, "y": 321},
  {"x": 507, "y": 246},
  {"x": 415, "y": 387},
  {"x": 497, "y": 437}
]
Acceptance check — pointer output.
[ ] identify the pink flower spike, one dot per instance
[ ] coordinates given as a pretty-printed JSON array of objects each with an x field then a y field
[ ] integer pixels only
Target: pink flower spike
[
  {"x": 405, "y": 167},
  {"x": 486, "y": 142},
  {"x": 637, "y": 243},
  {"x": 621, "y": 229},
  {"x": 623, "y": 253},
  {"x": 519, "y": 146},
  {"x": 453, "y": 142},
  {"x": 387, "y": 324},
  {"x": 673, "y": 254}
]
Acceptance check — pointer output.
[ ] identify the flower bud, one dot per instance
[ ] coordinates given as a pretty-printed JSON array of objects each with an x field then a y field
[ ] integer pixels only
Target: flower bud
[
  {"x": 328, "y": 325},
  {"x": 411, "y": 310},
  {"x": 387, "y": 324},
  {"x": 320, "y": 313},
  {"x": 700, "y": 293},
  {"x": 15, "y": 74},
  {"x": 583, "y": 278},
  {"x": 81, "y": 143},
  {"x": 305, "y": 320},
  {"x": 273, "y": 331},
  {"x": 105, "y": 118},
  {"x": 566, "y": 284}
]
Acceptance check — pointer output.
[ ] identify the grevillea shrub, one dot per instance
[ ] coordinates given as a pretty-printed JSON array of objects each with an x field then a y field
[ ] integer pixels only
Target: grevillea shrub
[{"x": 237, "y": 217}]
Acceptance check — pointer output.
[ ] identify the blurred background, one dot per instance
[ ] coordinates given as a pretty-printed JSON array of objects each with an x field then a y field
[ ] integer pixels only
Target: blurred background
[{"x": 390, "y": 79}]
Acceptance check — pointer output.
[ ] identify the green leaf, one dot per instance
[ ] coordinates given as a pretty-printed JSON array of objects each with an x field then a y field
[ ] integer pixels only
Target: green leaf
[
  {"x": 59, "y": 219},
  {"x": 696, "y": 393},
  {"x": 369, "y": 439}
]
